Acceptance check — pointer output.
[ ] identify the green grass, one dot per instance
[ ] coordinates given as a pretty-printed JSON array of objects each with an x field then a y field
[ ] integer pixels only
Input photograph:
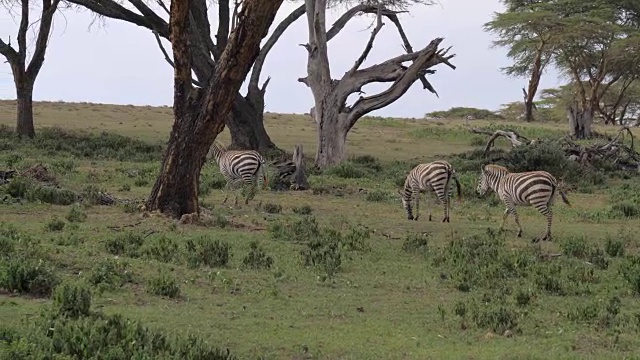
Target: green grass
[{"x": 381, "y": 286}]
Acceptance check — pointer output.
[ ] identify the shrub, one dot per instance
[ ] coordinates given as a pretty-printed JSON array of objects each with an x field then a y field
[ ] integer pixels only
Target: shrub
[
  {"x": 257, "y": 258},
  {"x": 416, "y": 243},
  {"x": 128, "y": 243},
  {"x": 162, "y": 248},
  {"x": 463, "y": 112},
  {"x": 110, "y": 273},
  {"x": 302, "y": 210},
  {"x": 204, "y": 250},
  {"x": 27, "y": 276},
  {"x": 630, "y": 271},
  {"x": 272, "y": 208},
  {"x": 164, "y": 285},
  {"x": 55, "y": 224},
  {"x": 379, "y": 195},
  {"x": 76, "y": 214},
  {"x": 72, "y": 299}
]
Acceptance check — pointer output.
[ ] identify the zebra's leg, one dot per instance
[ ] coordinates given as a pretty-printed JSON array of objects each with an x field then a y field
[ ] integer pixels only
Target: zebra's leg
[
  {"x": 511, "y": 209},
  {"x": 546, "y": 211},
  {"x": 444, "y": 200},
  {"x": 252, "y": 192},
  {"x": 227, "y": 187},
  {"x": 416, "y": 196}
]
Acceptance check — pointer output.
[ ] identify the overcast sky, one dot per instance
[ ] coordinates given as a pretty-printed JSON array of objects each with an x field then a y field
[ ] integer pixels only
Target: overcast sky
[{"x": 120, "y": 63}]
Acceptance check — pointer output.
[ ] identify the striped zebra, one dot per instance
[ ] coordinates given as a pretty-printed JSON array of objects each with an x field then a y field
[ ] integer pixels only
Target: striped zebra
[
  {"x": 434, "y": 176},
  {"x": 534, "y": 188},
  {"x": 239, "y": 168}
]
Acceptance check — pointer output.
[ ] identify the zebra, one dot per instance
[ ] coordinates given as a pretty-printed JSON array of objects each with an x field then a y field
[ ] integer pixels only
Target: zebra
[
  {"x": 434, "y": 176},
  {"x": 533, "y": 188},
  {"x": 239, "y": 167}
]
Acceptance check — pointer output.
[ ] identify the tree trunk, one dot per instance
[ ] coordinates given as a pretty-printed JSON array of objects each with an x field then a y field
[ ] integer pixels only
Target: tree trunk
[
  {"x": 299, "y": 177},
  {"x": 176, "y": 189},
  {"x": 24, "y": 126},
  {"x": 200, "y": 113},
  {"x": 332, "y": 137},
  {"x": 247, "y": 128},
  {"x": 580, "y": 119},
  {"x": 528, "y": 110}
]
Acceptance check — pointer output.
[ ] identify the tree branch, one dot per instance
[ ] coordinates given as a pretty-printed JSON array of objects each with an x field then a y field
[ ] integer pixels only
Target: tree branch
[
  {"x": 48, "y": 10},
  {"x": 223, "y": 24},
  {"x": 168, "y": 58},
  {"x": 403, "y": 78},
  {"x": 273, "y": 39},
  {"x": 369, "y": 46},
  {"x": 8, "y": 52},
  {"x": 22, "y": 34},
  {"x": 179, "y": 25},
  {"x": 113, "y": 10}
]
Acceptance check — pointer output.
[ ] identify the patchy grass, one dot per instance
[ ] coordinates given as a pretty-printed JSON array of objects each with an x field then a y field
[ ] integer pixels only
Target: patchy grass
[{"x": 313, "y": 274}]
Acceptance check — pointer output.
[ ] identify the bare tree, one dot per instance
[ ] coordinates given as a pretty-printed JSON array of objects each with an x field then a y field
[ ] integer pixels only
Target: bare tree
[
  {"x": 331, "y": 113},
  {"x": 200, "y": 112},
  {"x": 245, "y": 123},
  {"x": 24, "y": 75}
]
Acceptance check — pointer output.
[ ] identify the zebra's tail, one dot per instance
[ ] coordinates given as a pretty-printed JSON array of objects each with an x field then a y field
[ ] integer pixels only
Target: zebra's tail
[
  {"x": 263, "y": 170},
  {"x": 563, "y": 195},
  {"x": 455, "y": 178}
]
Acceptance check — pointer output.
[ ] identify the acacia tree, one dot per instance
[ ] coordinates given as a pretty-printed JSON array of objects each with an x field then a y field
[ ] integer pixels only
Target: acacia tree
[
  {"x": 245, "y": 122},
  {"x": 334, "y": 118},
  {"x": 24, "y": 75},
  {"x": 200, "y": 112},
  {"x": 524, "y": 28},
  {"x": 594, "y": 60}
]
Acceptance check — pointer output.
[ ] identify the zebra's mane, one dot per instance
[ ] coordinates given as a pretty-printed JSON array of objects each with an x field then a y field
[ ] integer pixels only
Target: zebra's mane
[{"x": 493, "y": 168}]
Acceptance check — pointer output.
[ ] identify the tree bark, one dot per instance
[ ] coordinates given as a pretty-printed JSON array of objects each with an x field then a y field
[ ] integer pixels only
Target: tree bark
[
  {"x": 332, "y": 139},
  {"x": 24, "y": 125},
  {"x": 200, "y": 114},
  {"x": 299, "y": 177},
  {"x": 246, "y": 125},
  {"x": 580, "y": 119}
]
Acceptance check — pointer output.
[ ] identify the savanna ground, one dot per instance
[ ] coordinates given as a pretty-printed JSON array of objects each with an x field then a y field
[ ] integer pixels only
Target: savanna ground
[{"x": 333, "y": 272}]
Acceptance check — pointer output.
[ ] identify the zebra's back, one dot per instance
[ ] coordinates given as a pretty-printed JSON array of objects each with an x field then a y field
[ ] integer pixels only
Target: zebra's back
[
  {"x": 430, "y": 175},
  {"x": 243, "y": 164},
  {"x": 529, "y": 188}
]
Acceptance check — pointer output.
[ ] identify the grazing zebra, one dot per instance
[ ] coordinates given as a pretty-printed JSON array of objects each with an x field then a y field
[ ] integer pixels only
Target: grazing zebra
[
  {"x": 433, "y": 176},
  {"x": 239, "y": 168},
  {"x": 534, "y": 188}
]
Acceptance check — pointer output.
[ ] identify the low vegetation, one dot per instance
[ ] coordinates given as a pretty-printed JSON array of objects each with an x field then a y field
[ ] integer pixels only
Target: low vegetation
[{"x": 340, "y": 258}]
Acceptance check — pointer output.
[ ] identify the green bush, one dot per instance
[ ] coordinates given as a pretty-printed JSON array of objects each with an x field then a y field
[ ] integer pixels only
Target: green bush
[
  {"x": 127, "y": 243},
  {"x": 204, "y": 250},
  {"x": 257, "y": 258},
  {"x": 110, "y": 273},
  {"x": 72, "y": 299},
  {"x": 76, "y": 214},
  {"x": 27, "y": 276},
  {"x": 164, "y": 284}
]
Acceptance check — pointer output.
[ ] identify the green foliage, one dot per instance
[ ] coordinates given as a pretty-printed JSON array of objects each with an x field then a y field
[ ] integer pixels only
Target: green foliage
[
  {"x": 55, "y": 224},
  {"x": 27, "y": 189},
  {"x": 27, "y": 276},
  {"x": 99, "y": 336},
  {"x": 203, "y": 250},
  {"x": 164, "y": 284},
  {"x": 127, "y": 243},
  {"x": 85, "y": 145},
  {"x": 416, "y": 243},
  {"x": 257, "y": 258},
  {"x": 76, "y": 214},
  {"x": 110, "y": 274},
  {"x": 302, "y": 210},
  {"x": 72, "y": 299},
  {"x": 463, "y": 112},
  {"x": 272, "y": 208}
]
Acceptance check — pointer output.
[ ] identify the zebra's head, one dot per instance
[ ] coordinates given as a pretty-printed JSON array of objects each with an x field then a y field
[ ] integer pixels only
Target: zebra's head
[
  {"x": 489, "y": 176},
  {"x": 216, "y": 151},
  {"x": 405, "y": 196}
]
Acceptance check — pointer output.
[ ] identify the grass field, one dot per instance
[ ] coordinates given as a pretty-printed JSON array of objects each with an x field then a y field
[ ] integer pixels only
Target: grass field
[{"x": 335, "y": 272}]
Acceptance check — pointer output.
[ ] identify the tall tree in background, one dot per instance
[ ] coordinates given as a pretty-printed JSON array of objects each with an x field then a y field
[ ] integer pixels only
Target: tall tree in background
[
  {"x": 200, "y": 113},
  {"x": 246, "y": 122},
  {"x": 599, "y": 49},
  {"x": 25, "y": 74},
  {"x": 334, "y": 118},
  {"x": 523, "y": 28}
]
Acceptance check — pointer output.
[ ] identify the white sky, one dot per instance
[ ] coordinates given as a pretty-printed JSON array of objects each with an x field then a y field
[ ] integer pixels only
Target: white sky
[{"x": 120, "y": 63}]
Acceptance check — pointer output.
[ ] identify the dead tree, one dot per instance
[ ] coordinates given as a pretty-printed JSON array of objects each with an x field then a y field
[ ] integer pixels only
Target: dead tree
[
  {"x": 291, "y": 175},
  {"x": 580, "y": 120},
  {"x": 24, "y": 75},
  {"x": 333, "y": 117},
  {"x": 200, "y": 113},
  {"x": 245, "y": 122},
  {"x": 514, "y": 138},
  {"x": 299, "y": 177}
]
